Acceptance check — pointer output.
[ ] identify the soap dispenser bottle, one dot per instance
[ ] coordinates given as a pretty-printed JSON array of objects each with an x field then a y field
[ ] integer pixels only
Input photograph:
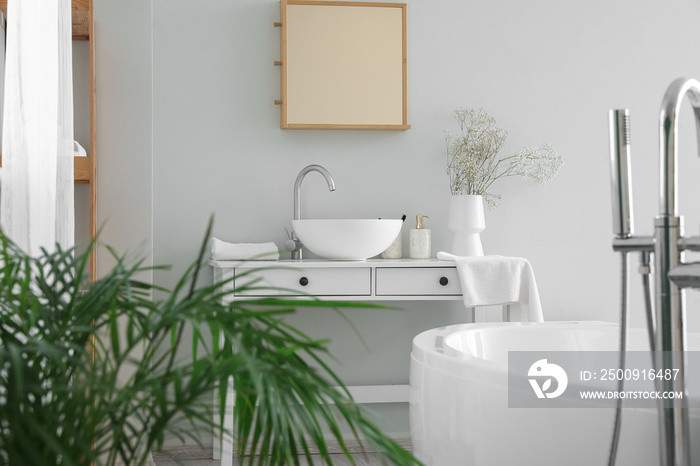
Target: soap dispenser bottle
[{"x": 419, "y": 239}]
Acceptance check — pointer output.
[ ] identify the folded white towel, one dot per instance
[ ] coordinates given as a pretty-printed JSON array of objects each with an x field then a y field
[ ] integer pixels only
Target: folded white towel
[
  {"x": 223, "y": 251},
  {"x": 493, "y": 280},
  {"x": 78, "y": 150}
]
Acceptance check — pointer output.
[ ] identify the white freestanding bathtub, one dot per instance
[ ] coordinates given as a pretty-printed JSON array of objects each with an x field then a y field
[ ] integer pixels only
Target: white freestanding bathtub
[{"x": 459, "y": 401}]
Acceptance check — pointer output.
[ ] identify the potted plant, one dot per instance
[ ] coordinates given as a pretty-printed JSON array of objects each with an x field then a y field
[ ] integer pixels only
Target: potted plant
[
  {"x": 473, "y": 166},
  {"x": 93, "y": 376}
]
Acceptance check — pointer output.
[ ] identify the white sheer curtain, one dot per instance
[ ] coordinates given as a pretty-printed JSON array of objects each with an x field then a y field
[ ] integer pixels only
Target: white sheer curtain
[{"x": 36, "y": 206}]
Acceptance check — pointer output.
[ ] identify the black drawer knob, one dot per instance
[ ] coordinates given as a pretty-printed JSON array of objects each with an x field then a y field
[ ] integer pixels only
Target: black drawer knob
[
  {"x": 444, "y": 281},
  {"x": 303, "y": 281}
]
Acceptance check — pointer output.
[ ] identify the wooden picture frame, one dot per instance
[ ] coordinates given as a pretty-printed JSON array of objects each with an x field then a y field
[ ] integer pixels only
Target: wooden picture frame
[{"x": 343, "y": 65}]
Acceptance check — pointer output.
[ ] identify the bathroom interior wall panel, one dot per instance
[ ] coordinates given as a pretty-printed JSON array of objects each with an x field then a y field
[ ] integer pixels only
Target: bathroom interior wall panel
[
  {"x": 546, "y": 70},
  {"x": 123, "y": 61}
]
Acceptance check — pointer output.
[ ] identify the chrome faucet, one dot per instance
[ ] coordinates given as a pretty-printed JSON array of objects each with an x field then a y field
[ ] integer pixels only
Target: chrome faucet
[
  {"x": 672, "y": 275},
  {"x": 669, "y": 244},
  {"x": 294, "y": 240}
]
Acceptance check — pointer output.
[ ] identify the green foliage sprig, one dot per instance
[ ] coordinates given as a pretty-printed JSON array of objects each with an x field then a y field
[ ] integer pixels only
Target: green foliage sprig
[{"x": 94, "y": 376}]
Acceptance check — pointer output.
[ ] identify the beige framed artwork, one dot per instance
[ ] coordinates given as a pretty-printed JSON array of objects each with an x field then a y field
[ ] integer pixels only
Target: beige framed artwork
[{"x": 343, "y": 65}]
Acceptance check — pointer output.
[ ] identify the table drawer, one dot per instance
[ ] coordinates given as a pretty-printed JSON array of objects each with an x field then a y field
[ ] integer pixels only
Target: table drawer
[
  {"x": 418, "y": 281},
  {"x": 327, "y": 281}
]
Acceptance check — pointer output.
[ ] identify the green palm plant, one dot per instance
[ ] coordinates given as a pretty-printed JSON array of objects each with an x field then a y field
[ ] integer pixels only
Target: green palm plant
[{"x": 94, "y": 376}]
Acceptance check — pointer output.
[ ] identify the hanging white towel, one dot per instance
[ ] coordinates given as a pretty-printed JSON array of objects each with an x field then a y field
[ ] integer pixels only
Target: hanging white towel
[
  {"x": 494, "y": 280},
  {"x": 78, "y": 150},
  {"x": 223, "y": 251}
]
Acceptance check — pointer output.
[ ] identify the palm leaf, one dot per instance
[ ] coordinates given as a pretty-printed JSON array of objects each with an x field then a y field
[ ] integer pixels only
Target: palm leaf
[{"x": 90, "y": 372}]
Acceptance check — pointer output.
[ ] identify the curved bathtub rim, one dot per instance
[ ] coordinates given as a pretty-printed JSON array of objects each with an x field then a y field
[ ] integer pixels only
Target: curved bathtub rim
[{"x": 421, "y": 342}]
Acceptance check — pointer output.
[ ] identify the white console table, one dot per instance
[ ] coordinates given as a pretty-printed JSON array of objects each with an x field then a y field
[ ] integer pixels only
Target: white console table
[{"x": 370, "y": 280}]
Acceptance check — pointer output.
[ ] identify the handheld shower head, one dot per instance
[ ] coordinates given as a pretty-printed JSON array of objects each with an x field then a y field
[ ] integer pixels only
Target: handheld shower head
[{"x": 620, "y": 151}]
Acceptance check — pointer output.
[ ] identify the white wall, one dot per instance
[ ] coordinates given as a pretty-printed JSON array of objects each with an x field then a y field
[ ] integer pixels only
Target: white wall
[
  {"x": 81, "y": 133},
  {"x": 546, "y": 69},
  {"x": 123, "y": 59}
]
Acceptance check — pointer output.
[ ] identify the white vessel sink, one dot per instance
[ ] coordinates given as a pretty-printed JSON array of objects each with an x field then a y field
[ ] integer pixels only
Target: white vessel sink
[{"x": 347, "y": 239}]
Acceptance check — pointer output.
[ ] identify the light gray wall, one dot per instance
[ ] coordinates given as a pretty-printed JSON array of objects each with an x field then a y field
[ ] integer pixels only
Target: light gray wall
[
  {"x": 124, "y": 129},
  {"x": 81, "y": 133},
  {"x": 546, "y": 69}
]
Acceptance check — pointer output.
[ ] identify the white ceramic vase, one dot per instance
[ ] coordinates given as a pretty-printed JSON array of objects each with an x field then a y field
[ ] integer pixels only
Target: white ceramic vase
[{"x": 466, "y": 221}]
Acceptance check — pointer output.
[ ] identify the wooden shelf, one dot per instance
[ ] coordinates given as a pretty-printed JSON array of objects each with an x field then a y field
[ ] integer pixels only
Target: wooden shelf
[
  {"x": 80, "y": 14},
  {"x": 82, "y": 169}
]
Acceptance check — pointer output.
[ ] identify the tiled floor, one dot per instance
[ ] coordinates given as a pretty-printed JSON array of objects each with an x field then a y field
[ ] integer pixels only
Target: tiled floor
[{"x": 338, "y": 460}]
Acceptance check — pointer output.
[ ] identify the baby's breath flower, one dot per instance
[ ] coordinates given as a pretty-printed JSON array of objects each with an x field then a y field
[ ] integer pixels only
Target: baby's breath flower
[{"x": 471, "y": 156}]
